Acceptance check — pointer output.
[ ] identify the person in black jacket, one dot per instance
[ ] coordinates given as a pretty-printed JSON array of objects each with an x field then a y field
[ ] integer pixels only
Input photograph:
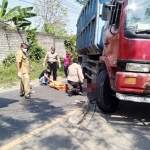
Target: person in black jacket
[{"x": 44, "y": 77}]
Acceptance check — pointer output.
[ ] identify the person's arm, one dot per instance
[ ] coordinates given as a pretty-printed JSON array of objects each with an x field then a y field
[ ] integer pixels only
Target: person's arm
[
  {"x": 18, "y": 63},
  {"x": 46, "y": 76},
  {"x": 72, "y": 54},
  {"x": 45, "y": 59},
  {"x": 58, "y": 59},
  {"x": 80, "y": 74}
]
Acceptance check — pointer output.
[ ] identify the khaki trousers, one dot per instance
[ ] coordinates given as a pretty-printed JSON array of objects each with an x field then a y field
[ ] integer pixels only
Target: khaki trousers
[{"x": 25, "y": 84}]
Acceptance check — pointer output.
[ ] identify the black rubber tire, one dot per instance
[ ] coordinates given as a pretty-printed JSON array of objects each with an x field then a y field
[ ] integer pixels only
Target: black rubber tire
[{"x": 105, "y": 101}]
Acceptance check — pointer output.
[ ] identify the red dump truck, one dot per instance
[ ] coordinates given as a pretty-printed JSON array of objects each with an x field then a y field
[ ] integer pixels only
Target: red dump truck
[{"x": 113, "y": 43}]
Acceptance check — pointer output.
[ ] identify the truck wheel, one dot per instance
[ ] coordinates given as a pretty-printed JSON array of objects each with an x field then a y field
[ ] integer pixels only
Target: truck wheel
[{"x": 105, "y": 101}]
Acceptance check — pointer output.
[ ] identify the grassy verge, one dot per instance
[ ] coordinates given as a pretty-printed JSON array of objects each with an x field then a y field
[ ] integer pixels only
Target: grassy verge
[{"x": 9, "y": 78}]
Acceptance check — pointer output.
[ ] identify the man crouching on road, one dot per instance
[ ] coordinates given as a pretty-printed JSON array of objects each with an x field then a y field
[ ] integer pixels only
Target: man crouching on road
[
  {"x": 44, "y": 77},
  {"x": 75, "y": 78},
  {"x": 23, "y": 67}
]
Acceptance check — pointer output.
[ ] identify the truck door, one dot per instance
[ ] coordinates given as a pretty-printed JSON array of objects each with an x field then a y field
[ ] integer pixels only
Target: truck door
[{"x": 111, "y": 34}]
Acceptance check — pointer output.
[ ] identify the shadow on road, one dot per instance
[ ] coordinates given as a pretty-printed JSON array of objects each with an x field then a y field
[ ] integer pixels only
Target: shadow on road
[
  {"x": 25, "y": 117},
  {"x": 43, "y": 109},
  {"x": 4, "y": 102},
  {"x": 130, "y": 112},
  {"x": 129, "y": 126}
]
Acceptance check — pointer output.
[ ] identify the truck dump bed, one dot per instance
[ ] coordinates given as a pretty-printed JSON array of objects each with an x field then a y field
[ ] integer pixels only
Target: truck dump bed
[{"x": 90, "y": 28}]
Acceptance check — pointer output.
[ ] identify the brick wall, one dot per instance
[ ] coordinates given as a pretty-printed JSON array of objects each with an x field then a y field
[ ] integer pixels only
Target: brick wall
[{"x": 10, "y": 41}]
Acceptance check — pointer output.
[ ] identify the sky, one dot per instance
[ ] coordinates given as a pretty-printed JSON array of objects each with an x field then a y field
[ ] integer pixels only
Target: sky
[{"x": 73, "y": 10}]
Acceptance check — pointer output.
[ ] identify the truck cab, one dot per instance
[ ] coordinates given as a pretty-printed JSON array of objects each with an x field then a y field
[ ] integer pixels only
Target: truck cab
[
  {"x": 123, "y": 70},
  {"x": 126, "y": 52}
]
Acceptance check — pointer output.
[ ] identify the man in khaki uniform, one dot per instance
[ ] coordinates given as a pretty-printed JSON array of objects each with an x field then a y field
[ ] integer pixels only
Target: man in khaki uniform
[
  {"x": 23, "y": 67},
  {"x": 75, "y": 78}
]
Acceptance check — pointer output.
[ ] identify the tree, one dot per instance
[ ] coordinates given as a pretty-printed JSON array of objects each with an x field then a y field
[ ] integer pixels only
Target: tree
[
  {"x": 52, "y": 16},
  {"x": 17, "y": 14},
  {"x": 70, "y": 42},
  {"x": 36, "y": 52},
  {"x": 55, "y": 29},
  {"x": 147, "y": 13},
  {"x": 82, "y": 2}
]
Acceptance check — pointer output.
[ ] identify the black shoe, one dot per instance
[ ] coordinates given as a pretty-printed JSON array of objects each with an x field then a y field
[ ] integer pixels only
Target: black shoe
[
  {"x": 42, "y": 84},
  {"x": 21, "y": 95},
  {"x": 28, "y": 96},
  {"x": 80, "y": 93}
]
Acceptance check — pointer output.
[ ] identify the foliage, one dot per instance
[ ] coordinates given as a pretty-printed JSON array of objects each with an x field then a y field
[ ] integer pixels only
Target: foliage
[
  {"x": 52, "y": 16},
  {"x": 82, "y": 2},
  {"x": 70, "y": 43},
  {"x": 9, "y": 78},
  {"x": 17, "y": 14},
  {"x": 55, "y": 29},
  {"x": 147, "y": 13},
  {"x": 36, "y": 52},
  {"x": 9, "y": 60},
  {"x": 37, "y": 69}
]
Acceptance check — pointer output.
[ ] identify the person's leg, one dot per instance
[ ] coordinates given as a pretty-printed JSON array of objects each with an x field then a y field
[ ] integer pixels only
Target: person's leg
[
  {"x": 22, "y": 87},
  {"x": 76, "y": 87},
  {"x": 43, "y": 80},
  {"x": 80, "y": 92},
  {"x": 54, "y": 71},
  {"x": 80, "y": 87},
  {"x": 70, "y": 92},
  {"x": 65, "y": 70},
  {"x": 51, "y": 66},
  {"x": 26, "y": 85}
]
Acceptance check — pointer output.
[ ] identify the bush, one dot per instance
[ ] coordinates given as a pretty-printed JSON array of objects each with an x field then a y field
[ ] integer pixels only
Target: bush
[
  {"x": 9, "y": 60},
  {"x": 8, "y": 76},
  {"x": 36, "y": 53},
  {"x": 70, "y": 43}
]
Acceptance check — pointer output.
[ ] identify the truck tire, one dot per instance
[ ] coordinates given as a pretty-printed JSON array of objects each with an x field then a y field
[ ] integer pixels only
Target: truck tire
[{"x": 105, "y": 101}]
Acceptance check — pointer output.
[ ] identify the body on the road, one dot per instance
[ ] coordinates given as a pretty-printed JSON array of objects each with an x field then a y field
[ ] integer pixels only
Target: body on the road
[
  {"x": 52, "y": 58},
  {"x": 23, "y": 67},
  {"x": 75, "y": 77},
  {"x": 44, "y": 77}
]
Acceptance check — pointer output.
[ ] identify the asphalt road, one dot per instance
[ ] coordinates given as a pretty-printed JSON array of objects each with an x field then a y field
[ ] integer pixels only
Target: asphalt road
[{"x": 53, "y": 121}]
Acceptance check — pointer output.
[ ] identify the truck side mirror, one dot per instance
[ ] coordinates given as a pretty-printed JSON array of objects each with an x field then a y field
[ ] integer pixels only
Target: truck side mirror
[{"x": 106, "y": 11}]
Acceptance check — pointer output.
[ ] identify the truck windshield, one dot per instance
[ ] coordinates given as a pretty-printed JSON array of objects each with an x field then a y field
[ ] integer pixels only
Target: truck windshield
[{"x": 137, "y": 15}]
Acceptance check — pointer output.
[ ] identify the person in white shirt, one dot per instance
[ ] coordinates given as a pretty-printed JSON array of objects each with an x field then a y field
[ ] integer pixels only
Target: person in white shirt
[
  {"x": 75, "y": 78},
  {"x": 52, "y": 58}
]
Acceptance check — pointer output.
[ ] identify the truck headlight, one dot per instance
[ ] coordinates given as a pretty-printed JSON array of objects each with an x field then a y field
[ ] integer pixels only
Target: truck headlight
[{"x": 137, "y": 67}]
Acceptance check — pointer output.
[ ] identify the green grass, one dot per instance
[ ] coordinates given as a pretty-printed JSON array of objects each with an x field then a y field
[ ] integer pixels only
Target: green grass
[{"x": 9, "y": 78}]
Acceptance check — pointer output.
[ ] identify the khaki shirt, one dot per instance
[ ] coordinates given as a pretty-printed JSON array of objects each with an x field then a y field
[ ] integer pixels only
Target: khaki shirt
[
  {"x": 75, "y": 73},
  {"x": 21, "y": 58},
  {"x": 52, "y": 57}
]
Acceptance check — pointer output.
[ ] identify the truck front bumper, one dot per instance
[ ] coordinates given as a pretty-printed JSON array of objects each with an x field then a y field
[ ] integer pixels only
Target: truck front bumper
[
  {"x": 134, "y": 98},
  {"x": 132, "y": 83}
]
